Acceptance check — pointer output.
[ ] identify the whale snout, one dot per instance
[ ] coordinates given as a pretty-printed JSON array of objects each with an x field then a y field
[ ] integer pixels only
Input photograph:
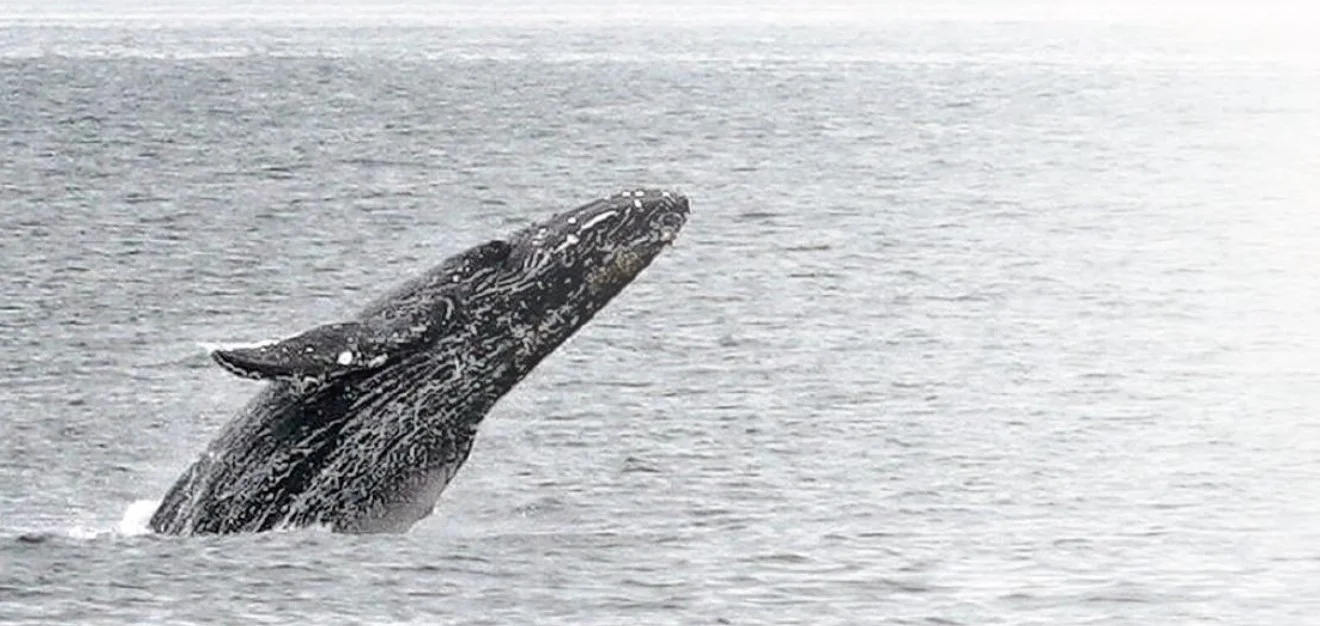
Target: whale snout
[
  {"x": 639, "y": 222},
  {"x": 668, "y": 227},
  {"x": 665, "y": 213},
  {"x": 671, "y": 215}
]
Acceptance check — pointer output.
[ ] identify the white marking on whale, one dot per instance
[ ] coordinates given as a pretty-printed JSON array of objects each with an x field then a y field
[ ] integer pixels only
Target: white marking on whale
[{"x": 596, "y": 220}]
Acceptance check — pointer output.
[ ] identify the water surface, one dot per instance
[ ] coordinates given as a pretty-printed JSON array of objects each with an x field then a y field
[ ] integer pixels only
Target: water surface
[{"x": 993, "y": 316}]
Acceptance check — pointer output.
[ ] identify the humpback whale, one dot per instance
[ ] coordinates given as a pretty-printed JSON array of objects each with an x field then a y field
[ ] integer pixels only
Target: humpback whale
[{"x": 362, "y": 423}]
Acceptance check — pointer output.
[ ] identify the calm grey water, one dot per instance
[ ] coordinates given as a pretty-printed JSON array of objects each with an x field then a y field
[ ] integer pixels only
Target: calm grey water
[{"x": 1005, "y": 316}]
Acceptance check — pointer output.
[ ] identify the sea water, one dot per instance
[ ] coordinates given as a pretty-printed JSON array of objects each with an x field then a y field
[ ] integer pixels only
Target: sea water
[{"x": 991, "y": 313}]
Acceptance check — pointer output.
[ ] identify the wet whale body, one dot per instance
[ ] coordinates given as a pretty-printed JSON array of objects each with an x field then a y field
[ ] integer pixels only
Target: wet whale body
[{"x": 363, "y": 423}]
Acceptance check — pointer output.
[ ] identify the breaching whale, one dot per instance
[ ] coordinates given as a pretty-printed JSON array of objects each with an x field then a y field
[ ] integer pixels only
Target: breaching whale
[{"x": 363, "y": 423}]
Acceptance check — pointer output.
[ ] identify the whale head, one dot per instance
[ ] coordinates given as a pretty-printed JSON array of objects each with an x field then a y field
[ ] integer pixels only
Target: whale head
[
  {"x": 561, "y": 271},
  {"x": 599, "y": 247},
  {"x": 520, "y": 297}
]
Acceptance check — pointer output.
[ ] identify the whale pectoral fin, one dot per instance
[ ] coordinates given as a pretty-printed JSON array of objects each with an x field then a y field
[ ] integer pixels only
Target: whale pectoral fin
[{"x": 321, "y": 353}]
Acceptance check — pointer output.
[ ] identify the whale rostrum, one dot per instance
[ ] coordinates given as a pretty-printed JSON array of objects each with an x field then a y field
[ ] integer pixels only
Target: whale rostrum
[{"x": 362, "y": 423}]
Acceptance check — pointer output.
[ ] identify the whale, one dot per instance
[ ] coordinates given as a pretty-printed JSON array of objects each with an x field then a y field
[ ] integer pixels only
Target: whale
[{"x": 362, "y": 423}]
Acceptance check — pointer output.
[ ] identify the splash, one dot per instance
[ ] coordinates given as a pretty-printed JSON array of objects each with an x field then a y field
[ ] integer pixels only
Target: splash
[
  {"x": 137, "y": 518},
  {"x": 135, "y": 522}
]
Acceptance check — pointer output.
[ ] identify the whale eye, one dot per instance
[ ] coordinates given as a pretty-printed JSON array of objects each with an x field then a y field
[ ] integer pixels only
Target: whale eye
[{"x": 669, "y": 220}]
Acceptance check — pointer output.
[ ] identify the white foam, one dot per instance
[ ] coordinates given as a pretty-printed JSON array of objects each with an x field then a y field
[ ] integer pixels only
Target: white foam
[
  {"x": 83, "y": 533},
  {"x": 137, "y": 518}
]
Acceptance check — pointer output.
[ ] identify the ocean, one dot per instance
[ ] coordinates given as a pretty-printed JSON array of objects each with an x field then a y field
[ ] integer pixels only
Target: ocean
[{"x": 986, "y": 313}]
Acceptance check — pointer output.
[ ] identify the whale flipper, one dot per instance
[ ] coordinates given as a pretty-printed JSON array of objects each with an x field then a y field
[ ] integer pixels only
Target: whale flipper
[
  {"x": 333, "y": 350},
  {"x": 322, "y": 353},
  {"x": 327, "y": 352}
]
